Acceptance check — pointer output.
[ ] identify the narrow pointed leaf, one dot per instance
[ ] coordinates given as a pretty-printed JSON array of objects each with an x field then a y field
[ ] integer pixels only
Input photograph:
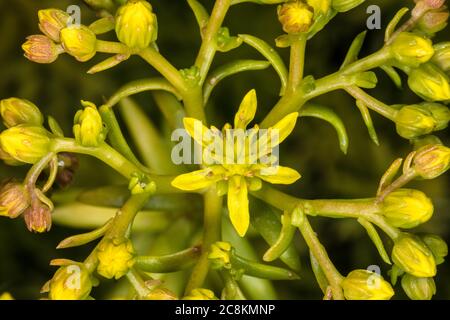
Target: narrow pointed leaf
[
  {"x": 284, "y": 240},
  {"x": 328, "y": 115},
  {"x": 375, "y": 237},
  {"x": 389, "y": 175},
  {"x": 82, "y": 239},
  {"x": 201, "y": 15},
  {"x": 393, "y": 74},
  {"x": 355, "y": 48},
  {"x": 390, "y": 29},
  {"x": 368, "y": 121}
]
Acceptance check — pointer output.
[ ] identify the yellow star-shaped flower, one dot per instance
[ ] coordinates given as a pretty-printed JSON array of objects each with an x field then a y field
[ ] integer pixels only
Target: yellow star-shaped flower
[{"x": 237, "y": 161}]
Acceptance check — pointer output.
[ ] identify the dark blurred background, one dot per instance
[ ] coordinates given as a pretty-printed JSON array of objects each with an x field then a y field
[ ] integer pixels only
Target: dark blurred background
[{"x": 313, "y": 148}]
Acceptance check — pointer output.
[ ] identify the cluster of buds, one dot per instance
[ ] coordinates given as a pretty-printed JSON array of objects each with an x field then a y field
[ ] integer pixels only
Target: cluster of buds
[
  {"x": 59, "y": 36},
  {"x": 416, "y": 257},
  {"x": 413, "y": 121}
]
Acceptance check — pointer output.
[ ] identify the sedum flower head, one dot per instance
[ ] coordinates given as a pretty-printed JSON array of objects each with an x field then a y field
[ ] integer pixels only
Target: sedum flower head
[
  {"x": 366, "y": 285},
  {"x": 26, "y": 143},
  {"x": 115, "y": 258},
  {"x": 79, "y": 41},
  {"x": 431, "y": 161},
  {"x": 52, "y": 21},
  {"x": 236, "y": 165},
  {"x": 13, "y": 199},
  {"x": 407, "y": 208},
  {"x": 136, "y": 24},
  {"x": 15, "y": 111},
  {"x": 411, "y": 49},
  {"x": 413, "y": 121},
  {"x": 437, "y": 246},
  {"x": 70, "y": 282},
  {"x": 201, "y": 294},
  {"x": 413, "y": 256},
  {"x": 88, "y": 128},
  {"x": 40, "y": 49},
  {"x": 430, "y": 83},
  {"x": 345, "y": 5},
  {"x": 418, "y": 288},
  {"x": 295, "y": 16}
]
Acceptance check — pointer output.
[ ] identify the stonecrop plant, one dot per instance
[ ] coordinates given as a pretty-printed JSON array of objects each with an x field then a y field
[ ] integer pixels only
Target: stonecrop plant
[{"x": 226, "y": 178}]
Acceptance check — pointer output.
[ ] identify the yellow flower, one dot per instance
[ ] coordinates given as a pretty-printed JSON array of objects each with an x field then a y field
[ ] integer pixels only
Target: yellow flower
[
  {"x": 239, "y": 158},
  {"x": 115, "y": 259},
  {"x": 26, "y": 143},
  {"x": 71, "y": 282},
  {"x": 88, "y": 128},
  {"x": 295, "y": 16},
  {"x": 366, "y": 285},
  {"x": 200, "y": 294},
  {"x": 136, "y": 24}
]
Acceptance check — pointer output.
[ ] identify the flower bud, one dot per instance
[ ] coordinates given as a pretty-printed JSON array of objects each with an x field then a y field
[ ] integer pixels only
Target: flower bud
[
  {"x": 319, "y": 6},
  {"x": 440, "y": 112},
  {"x": 70, "y": 282},
  {"x": 6, "y": 296},
  {"x": 79, "y": 41},
  {"x": 431, "y": 161},
  {"x": 200, "y": 294},
  {"x": 10, "y": 161},
  {"x": 88, "y": 128},
  {"x": 220, "y": 255},
  {"x": 115, "y": 259},
  {"x": 442, "y": 56},
  {"x": 437, "y": 246},
  {"x": 413, "y": 256},
  {"x": 161, "y": 294},
  {"x": 15, "y": 111},
  {"x": 345, "y": 5},
  {"x": 136, "y": 24},
  {"x": 411, "y": 49},
  {"x": 295, "y": 17},
  {"x": 418, "y": 288},
  {"x": 413, "y": 121},
  {"x": 52, "y": 21},
  {"x": 26, "y": 143},
  {"x": 141, "y": 183},
  {"x": 38, "y": 218},
  {"x": 430, "y": 83},
  {"x": 366, "y": 285},
  {"x": 433, "y": 21},
  {"x": 13, "y": 199},
  {"x": 40, "y": 49},
  {"x": 407, "y": 208}
]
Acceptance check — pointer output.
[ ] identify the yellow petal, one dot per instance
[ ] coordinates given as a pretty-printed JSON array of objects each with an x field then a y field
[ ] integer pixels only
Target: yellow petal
[
  {"x": 238, "y": 204},
  {"x": 246, "y": 111},
  {"x": 284, "y": 127},
  {"x": 196, "y": 180},
  {"x": 197, "y": 131},
  {"x": 278, "y": 174}
]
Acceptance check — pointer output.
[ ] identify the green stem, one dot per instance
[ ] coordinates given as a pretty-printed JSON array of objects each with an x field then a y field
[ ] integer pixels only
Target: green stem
[
  {"x": 111, "y": 47},
  {"x": 208, "y": 48},
  {"x": 211, "y": 234},
  {"x": 138, "y": 283},
  {"x": 297, "y": 63},
  {"x": 319, "y": 252},
  {"x": 372, "y": 103},
  {"x": 155, "y": 59},
  {"x": 169, "y": 263}
]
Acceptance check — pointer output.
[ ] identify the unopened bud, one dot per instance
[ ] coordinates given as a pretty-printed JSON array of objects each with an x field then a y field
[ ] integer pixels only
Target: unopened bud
[
  {"x": 418, "y": 288},
  {"x": 70, "y": 282},
  {"x": 38, "y": 218},
  {"x": 430, "y": 83},
  {"x": 437, "y": 246},
  {"x": 345, "y": 5},
  {"x": 413, "y": 256},
  {"x": 52, "y": 21},
  {"x": 200, "y": 294},
  {"x": 295, "y": 17},
  {"x": 442, "y": 56},
  {"x": 13, "y": 199},
  {"x": 413, "y": 121},
  {"x": 79, "y": 41},
  {"x": 431, "y": 161},
  {"x": 411, "y": 49},
  {"x": 15, "y": 111},
  {"x": 366, "y": 285},
  {"x": 88, "y": 128},
  {"x": 433, "y": 21},
  {"x": 136, "y": 24},
  {"x": 40, "y": 49},
  {"x": 115, "y": 259}
]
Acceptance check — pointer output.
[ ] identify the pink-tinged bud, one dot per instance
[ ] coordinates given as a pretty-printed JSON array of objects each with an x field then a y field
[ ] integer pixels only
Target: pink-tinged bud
[
  {"x": 38, "y": 218},
  {"x": 52, "y": 21},
  {"x": 433, "y": 21},
  {"x": 40, "y": 49},
  {"x": 13, "y": 199}
]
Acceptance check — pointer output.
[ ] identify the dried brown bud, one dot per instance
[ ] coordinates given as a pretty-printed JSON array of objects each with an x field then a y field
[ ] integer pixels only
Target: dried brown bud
[
  {"x": 38, "y": 218},
  {"x": 13, "y": 199}
]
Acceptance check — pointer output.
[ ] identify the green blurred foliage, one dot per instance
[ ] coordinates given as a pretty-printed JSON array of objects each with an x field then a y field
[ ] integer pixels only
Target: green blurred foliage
[{"x": 313, "y": 148}]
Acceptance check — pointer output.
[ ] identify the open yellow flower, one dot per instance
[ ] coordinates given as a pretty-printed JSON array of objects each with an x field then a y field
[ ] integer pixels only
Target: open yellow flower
[{"x": 238, "y": 159}]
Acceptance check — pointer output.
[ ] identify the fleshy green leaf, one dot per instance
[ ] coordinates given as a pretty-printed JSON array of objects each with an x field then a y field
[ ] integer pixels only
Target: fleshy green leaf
[
  {"x": 367, "y": 121},
  {"x": 375, "y": 237},
  {"x": 390, "y": 29},
  {"x": 393, "y": 74},
  {"x": 389, "y": 175},
  {"x": 318, "y": 272},
  {"x": 201, "y": 15},
  {"x": 355, "y": 48}
]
